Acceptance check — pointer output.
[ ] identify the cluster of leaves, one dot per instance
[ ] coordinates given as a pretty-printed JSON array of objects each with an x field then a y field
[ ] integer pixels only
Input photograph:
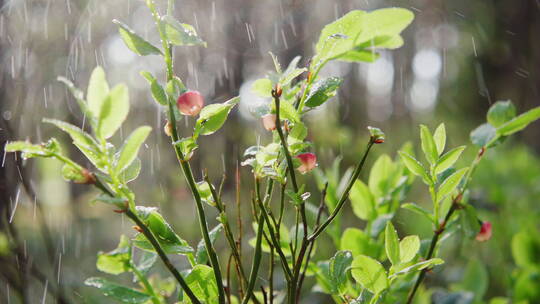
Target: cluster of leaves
[{"x": 370, "y": 265}]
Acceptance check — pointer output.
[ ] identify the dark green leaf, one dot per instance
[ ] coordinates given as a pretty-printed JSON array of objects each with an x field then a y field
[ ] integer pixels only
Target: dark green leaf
[
  {"x": 118, "y": 292},
  {"x": 201, "y": 257},
  {"x": 135, "y": 42},
  {"x": 158, "y": 93}
]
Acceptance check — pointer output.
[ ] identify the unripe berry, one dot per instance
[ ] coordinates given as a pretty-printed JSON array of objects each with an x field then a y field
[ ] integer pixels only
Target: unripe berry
[
  {"x": 308, "y": 161},
  {"x": 190, "y": 103},
  {"x": 269, "y": 122},
  {"x": 485, "y": 232},
  {"x": 168, "y": 128}
]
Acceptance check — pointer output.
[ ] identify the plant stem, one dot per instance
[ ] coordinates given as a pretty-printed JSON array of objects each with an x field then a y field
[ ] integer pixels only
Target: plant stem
[
  {"x": 256, "y": 258},
  {"x": 344, "y": 195},
  {"x": 146, "y": 284},
  {"x": 442, "y": 226},
  {"x": 152, "y": 239}
]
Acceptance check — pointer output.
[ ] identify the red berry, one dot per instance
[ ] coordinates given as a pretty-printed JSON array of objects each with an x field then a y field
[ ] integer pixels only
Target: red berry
[{"x": 190, "y": 103}]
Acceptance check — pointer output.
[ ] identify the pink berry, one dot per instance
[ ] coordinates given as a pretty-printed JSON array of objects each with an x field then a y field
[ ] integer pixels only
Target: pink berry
[
  {"x": 190, "y": 103},
  {"x": 485, "y": 232},
  {"x": 308, "y": 162}
]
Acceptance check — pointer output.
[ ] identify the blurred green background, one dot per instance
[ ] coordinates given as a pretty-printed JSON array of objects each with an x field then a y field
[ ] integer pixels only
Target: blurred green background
[{"x": 459, "y": 57}]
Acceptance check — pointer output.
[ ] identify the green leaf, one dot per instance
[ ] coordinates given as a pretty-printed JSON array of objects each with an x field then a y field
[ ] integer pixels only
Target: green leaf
[
  {"x": 131, "y": 147},
  {"x": 419, "y": 210},
  {"x": 519, "y": 123},
  {"x": 359, "y": 56},
  {"x": 448, "y": 159},
  {"x": 428, "y": 145},
  {"x": 132, "y": 171},
  {"x": 168, "y": 239},
  {"x": 408, "y": 247},
  {"x": 276, "y": 63},
  {"x": 500, "y": 113},
  {"x": 287, "y": 77},
  {"x": 323, "y": 90},
  {"x": 29, "y": 150},
  {"x": 419, "y": 266},
  {"x": 362, "y": 201},
  {"x": 369, "y": 273},
  {"x": 469, "y": 221},
  {"x": 201, "y": 257},
  {"x": 158, "y": 93},
  {"x": 381, "y": 176},
  {"x": 356, "y": 241},
  {"x": 181, "y": 33},
  {"x": 440, "y": 138},
  {"x": 288, "y": 111},
  {"x": 262, "y": 87},
  {"x": 114, "y": 111},
  {"x": 450, "y": 183},
  {"x": 475, "y": 279},
  {"x": 202, "y": 282},
  {"x": 118, "y": 292},
  {"x": 78, "y": 94},
  {"x": 116, "y": 261},
  {"x": 212, "y": 117},
  {"x": 74, "y": 174},
  {"x": 187, "y": 145},
  {"x": 483, "y": 135},
  {"x": 135, "y": 42},
  {"x": 414, "y": 166},
  {"x": 98, "y": 90},
  {"x": 339, "y": 265},
  {"x": 391, "y": 244}
]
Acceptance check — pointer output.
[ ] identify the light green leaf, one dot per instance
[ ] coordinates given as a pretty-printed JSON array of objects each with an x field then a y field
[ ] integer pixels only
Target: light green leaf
[
  {"x": 323, "y": 90},
  {"x": 500, "y": 113},
  {"x": 519, "y": 123},
  {"x": 98, "y": 89},
  {"x": 158, "y": 93},
  {"x": 27, "y": 148},
  {"x": 369, "y": 273},
  {"x": 356, "y": 241},
  {"x": 288, "y": 77},
  {"x": 386, "y": 22},
  {"x": 391, "y": 243},
  {"x": 440, "y": 138},
  {"x": 381, "y": 176},
  {"x": 288, "y": 111},
  {"x": 525, "y": 248},
  {"x": 419, "y": 210},
  {"x": 114, "y": 111},
  {"x": 408, "y": 247},
  {"x": 484, "y": 135},
  {"x": 362, "y": 201},
  {"x": 428, "y": 145},
  {"x": 448, "y": 159},
  {"x": 262, "y": 87},
  {"x": 202, "y": 282},
  {"x": 413, "y": 165},
  {"x": 79, "y": 96},
  {"x": 116, "y": 261},
  {"x": 359, "y": 56},
  {"x": 450, "y": 183},
  {"x": 118, "y": 292},
  {"x": 73, "y": 174},
  {"x": 132, "y": 171},
  {"x": 213, "y": 116},
  {"x": 135, "y": 42},
  {"x": 276, "y": 63},
  {"x": 79, "y": 137},
  {"x": 181, "y": 33},
  {"x": 131, "y": 147},
  {"x": 419, "y": 266}
]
